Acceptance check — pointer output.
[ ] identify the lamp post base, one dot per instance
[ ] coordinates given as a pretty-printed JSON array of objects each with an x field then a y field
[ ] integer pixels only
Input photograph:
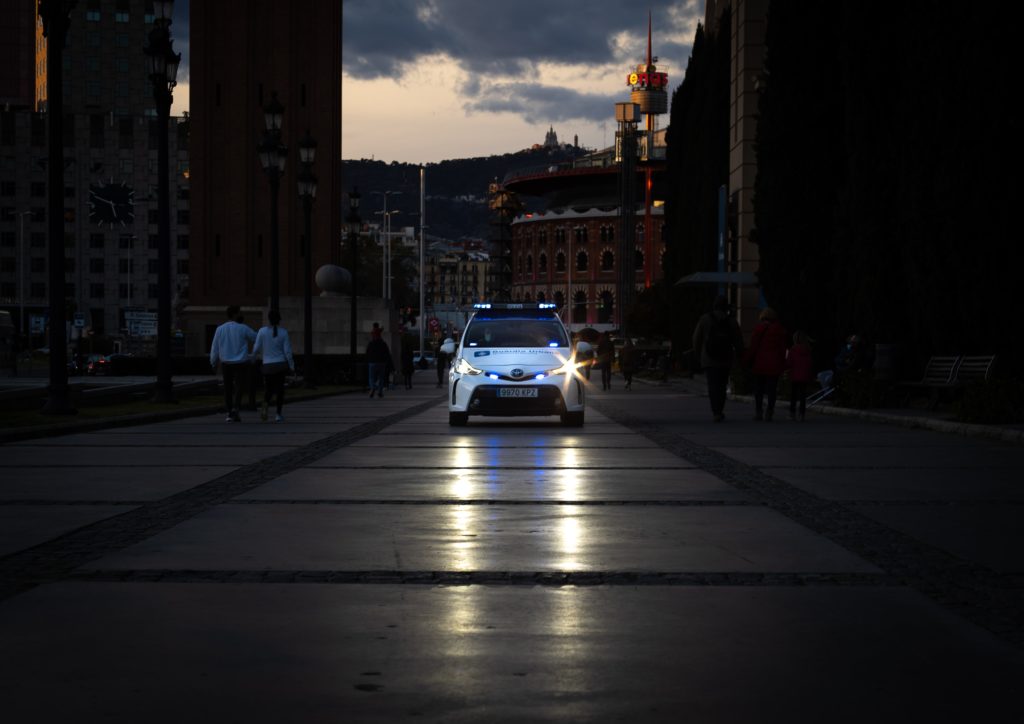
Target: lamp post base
[{"x": 164, "y": 393}]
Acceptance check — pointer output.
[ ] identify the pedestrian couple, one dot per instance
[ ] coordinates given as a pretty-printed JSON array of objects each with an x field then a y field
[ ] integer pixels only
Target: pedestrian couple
[
  {"x": 271, "y": 346},
  {"x": 719, "y": 343}
]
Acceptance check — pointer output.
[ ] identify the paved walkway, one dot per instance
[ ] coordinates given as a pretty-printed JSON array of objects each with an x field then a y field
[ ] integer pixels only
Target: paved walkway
[{"x": 364, "y": 562}]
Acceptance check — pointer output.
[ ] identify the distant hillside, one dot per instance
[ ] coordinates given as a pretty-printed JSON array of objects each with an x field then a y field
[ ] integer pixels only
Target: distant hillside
[{"x": 456, "y": 195}]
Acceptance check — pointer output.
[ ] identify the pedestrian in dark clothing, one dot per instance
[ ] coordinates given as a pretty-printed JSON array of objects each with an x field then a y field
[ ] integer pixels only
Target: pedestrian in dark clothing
[
  {"x": 720, "y": 342},
  {"x": 230, "y": 348},
  {"x": 442, "y": 360},
  {"x": 800, "y": 367},
  {"x": 766, "y": 358},
  {"x": 627, "y": 362},
  {"x": 378, "y": 356},
  {"x": 605, "y": 358},
  {"x": 407, "y": 364}
]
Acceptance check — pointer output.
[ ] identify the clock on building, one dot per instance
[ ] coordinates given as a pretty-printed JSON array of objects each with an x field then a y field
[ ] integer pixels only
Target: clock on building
[{"x": 111, "y": 203}]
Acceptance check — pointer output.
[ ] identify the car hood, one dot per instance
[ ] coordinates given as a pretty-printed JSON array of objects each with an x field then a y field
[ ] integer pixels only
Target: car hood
[{"x": 528, "y": 358}]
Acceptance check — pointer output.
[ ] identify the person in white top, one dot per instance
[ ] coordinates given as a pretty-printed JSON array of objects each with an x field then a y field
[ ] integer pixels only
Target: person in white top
[
  {"x": 276, "y": 349},
  {"x": 231, "y": 349}
]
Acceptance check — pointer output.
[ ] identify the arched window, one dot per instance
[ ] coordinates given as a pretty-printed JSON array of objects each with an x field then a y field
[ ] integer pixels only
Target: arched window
[
  {"x": 639, "y": 257},
  {"x": 560, "y": 262},
  {"x": 559, "y": 299},
  {"x": 541, "y": 297},
  {"x": 611, "y": 234},
  {"x": 605, "y": 307},
  {"x": 640, "y": 233},
  {"x": 581, "y": 261},
  {"x": 529, "y": 263},
  {"x": 607, "y": 261},
  {"x": 542, "y": 263},
  {"x": 581, "y": 234},
  {"x": 579, "y": 308},
  {"x": 542, "y": 237}
]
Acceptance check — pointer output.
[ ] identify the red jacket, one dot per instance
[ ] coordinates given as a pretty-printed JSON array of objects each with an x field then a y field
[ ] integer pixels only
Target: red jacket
[
  {"x": 799, "y": 363},
  {"x": 767, "y": 353}
]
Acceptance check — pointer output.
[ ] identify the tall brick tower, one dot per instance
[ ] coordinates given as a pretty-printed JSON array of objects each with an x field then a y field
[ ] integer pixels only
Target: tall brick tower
[{"x": 243, "y": 51}]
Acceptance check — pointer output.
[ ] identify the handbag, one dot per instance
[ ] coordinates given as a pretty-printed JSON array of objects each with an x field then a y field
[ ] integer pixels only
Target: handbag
[{"x": 275, "y": 368}]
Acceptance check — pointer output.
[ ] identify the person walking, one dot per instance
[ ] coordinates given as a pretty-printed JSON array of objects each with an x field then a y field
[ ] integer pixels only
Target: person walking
[
  {"x": 719, "y": 342},
  {"x": 275, "y": 349},
  {"x": 627, "y": 362},
  {"x": 230, "y": 348},
  {"x": 408, "y": 367},
  {"x": 800, "y": 367},
  {"x": 766, "y": 358},
  {"x": 378, "y": 357},
  {"x": 605, "y": 358},
  {"x": 441, "y": 359}
]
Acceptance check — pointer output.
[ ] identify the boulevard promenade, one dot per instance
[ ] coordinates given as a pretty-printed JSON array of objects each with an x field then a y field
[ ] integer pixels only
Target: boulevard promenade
[{"x": 364, "y": 562}]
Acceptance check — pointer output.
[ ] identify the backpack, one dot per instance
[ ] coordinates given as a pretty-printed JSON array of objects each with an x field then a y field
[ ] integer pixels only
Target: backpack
[{"x": 720, "y": 338}]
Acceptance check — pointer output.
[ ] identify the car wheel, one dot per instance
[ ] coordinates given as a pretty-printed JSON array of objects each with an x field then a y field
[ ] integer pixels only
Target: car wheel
[
  {"x": 572, "y": 419},
  {"x": 457, "y": 419}
]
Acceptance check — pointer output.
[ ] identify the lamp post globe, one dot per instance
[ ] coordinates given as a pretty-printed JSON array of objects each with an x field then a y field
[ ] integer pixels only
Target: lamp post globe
[{"x": 273, "y": 155}]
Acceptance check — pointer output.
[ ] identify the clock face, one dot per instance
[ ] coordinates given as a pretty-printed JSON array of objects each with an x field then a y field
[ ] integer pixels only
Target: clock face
[{"x": 111, "y": 203}]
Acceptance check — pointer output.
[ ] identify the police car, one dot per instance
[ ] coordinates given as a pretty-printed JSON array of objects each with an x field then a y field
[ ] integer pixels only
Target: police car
[{"x": 515, "y": 359}]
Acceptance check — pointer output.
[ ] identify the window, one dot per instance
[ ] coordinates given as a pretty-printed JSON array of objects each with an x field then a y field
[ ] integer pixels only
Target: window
[
  {"x": 125, "y": 266},
  {"x": 183, "y": 216},
  {"x": 96, "y": 317},
  {"x": 605, "y": 307},
  {"x": 7, "y": 238},
  {"x": 39, "y": 214},
  {"x": 154, "y": 291},
  {"x": 96, "y": 266},
  {"x": 183, "y": 241},
  {"x": 126, "y": 165},
  {"x": 8, "y": 188},
  {"x": 125, "y": 133},
  {"x": 153, "y": 217},
  {"x": 126, "y": 241},
  {"x": 579, "y": 308},
  {"x": 37, "y": 240},
  {"x": 8, "y": 264},
  {"x": 154, "y": 241},
  {"x": 8, "y": 290},
  {"x": 581, "y": 261},
  {"x": 638, "y": 256},
  {"x": 37, "y": 290},
  {"x": 37, "y": 189},
  {"x": 97, "y": 241},
  {"x": 542, "y": 263},
  {"x": 529, "y": 264},
  {"x": 607, "y": 261},
  {"x": 183, "y": 266},
  {"x": 96, "y": 130},
  {"x": 560, "y": 262},
  {"x": 69, "y": 289},
  {"x": 7, "y": 213},
  {"x": 96, "y": 291},
  {"x": 69, "y": 264},
  {"x": 38, "y": 264},
  {"x": 153, "y": 266},
  {"x": 581, "y": 234},
  {"x": 125, "y": 291}
]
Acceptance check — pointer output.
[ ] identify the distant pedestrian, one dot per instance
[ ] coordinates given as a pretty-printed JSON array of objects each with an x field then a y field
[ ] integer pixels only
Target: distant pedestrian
[
  {"x": 230, "y": 348},
  {"x": 275, "y": 349},
  {"x": 378, "y": 356},
  {"x": 766, "y": 358},
  {"x": 408, "y": 366},
  {"x": 605, "y": 358},
  {"x": 627, "y": 362},
  {"x": 800, "y": 367},
  {"x": 442, "y": 359},
  {"x": 719, "y": 342}
]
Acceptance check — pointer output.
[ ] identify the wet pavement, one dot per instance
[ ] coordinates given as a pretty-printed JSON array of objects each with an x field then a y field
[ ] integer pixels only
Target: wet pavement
[{"x": 365, "y": 562}]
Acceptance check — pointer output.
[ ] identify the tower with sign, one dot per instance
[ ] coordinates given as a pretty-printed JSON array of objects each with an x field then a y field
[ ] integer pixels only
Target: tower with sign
[{"x": 650, "y": 93}]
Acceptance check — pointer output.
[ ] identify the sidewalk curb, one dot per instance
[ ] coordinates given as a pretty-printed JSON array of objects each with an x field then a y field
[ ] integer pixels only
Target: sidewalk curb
[
  {"x": 911, "y": 421},
  {"x": 44, "y": 431}
]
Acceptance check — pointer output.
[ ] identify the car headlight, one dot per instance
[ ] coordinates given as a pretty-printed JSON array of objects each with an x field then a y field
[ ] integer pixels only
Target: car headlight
[
  {"x": 465, "y": 368},
  {"x": 568, "y": 367}
]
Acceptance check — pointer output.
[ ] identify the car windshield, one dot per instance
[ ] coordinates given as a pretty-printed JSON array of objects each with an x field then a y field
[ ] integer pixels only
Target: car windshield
[{"x": 511, "y": 333}]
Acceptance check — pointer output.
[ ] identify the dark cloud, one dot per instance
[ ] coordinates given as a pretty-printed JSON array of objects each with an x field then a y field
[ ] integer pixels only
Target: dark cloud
[
  {"x": 541, "y": 104},
  {"x": 509, "y": 38}
]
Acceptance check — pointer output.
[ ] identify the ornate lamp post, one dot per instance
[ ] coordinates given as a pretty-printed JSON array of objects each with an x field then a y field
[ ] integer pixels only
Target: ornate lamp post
[
  {"x": 163, "y": 73},
  {"x": 55, "y": 14},
  {"x": 307, "y": 192},
  {"x": 354, "y": 224},
  {"x": 273, "y": 155}
]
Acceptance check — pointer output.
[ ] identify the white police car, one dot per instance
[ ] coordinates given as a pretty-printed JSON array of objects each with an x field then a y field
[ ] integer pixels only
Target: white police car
[{"x": 515, "y": 359}]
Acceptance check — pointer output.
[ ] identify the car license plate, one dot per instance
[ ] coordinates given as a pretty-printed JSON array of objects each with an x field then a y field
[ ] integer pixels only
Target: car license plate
[{"x": 517, "y": 392}]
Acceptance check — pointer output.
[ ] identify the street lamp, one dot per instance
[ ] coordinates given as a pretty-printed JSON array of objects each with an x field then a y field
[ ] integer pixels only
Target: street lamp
[
  {"x": 354, "y": 224},
  {"x": 386, "y": 250},
  {"x": 273, "y": 155},
  {"x": 307, "y": 192},
  {"x": 55, "y": 16},
  {"x": 163, "y": 63}
]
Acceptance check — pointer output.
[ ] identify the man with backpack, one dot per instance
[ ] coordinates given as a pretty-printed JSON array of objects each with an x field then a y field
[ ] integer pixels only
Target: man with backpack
[{"x": 718, "y": 341}]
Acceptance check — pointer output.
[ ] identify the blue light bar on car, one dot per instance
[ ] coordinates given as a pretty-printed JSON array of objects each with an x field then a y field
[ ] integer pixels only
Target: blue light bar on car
[
  {"x": 482, "y": 305},
  {"x": 547, "y": 305}
]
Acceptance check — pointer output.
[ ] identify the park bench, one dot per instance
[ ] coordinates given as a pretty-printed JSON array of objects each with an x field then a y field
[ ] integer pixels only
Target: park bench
[{"x": 949, "y": 372}]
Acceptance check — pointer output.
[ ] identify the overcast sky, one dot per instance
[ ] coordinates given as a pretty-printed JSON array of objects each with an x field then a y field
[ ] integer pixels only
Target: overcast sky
[{"x": 429, "y": 80}]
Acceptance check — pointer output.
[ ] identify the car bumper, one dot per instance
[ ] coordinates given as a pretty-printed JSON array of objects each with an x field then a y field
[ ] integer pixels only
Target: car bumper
[{"x": 484, "y": 397}]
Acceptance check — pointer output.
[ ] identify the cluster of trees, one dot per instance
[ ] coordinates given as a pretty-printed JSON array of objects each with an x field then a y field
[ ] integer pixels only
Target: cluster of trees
[{"x": 886, "y": 151}]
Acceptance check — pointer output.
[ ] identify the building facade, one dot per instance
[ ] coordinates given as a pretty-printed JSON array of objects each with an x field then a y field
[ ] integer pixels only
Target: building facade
[
  {"x": 110, "y": 140},
  {"x": 243, "y": 52}
]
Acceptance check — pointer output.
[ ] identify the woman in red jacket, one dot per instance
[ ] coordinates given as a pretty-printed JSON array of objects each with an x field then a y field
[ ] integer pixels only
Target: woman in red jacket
[
  {"x": 766, "y": 357},
  {"x": 801, "y": 371}
]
